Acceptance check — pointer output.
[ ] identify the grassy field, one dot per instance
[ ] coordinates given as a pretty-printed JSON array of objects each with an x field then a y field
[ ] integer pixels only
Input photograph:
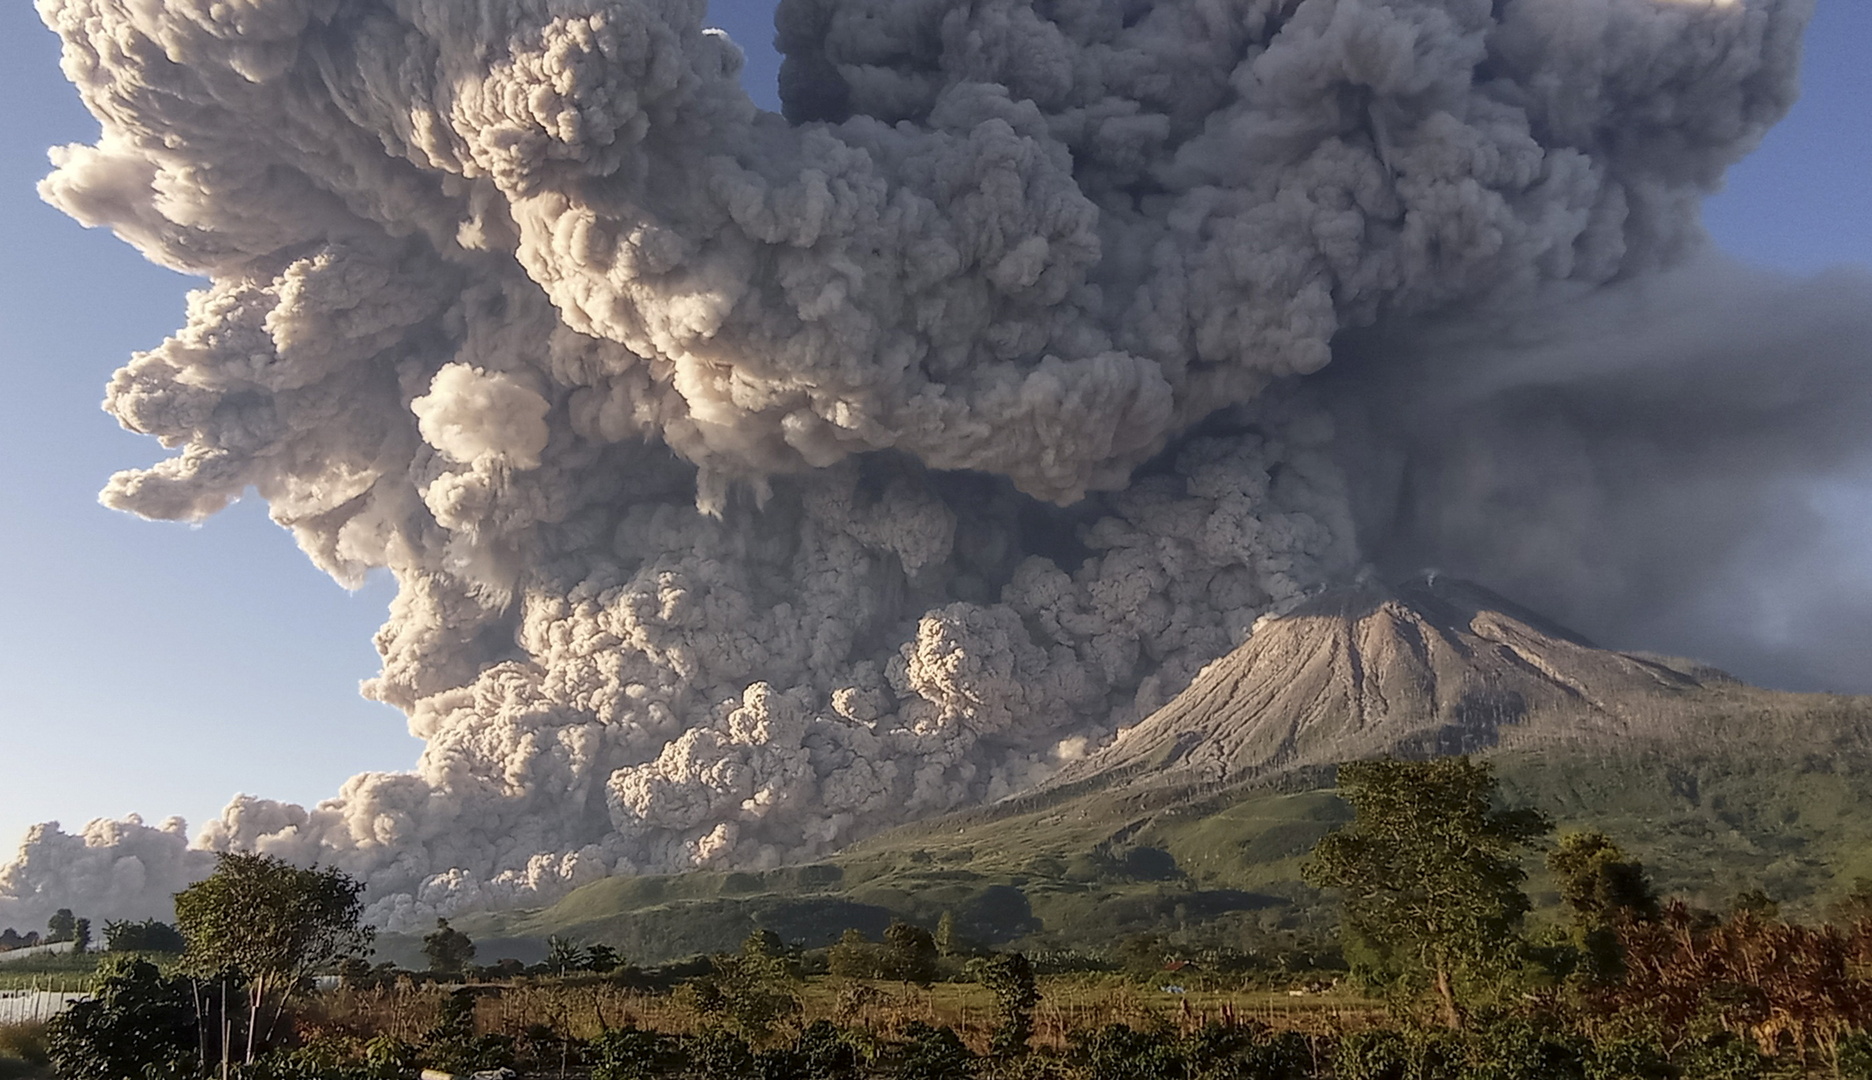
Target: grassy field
[
  {"x": 63, "y": 973},
  {"x": 584, "y": 1008}
]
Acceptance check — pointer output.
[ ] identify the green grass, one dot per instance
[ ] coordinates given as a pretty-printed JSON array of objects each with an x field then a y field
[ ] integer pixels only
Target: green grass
[
  {"x": 1087, "y": 869},
  {"x": 62, "y": 972}
]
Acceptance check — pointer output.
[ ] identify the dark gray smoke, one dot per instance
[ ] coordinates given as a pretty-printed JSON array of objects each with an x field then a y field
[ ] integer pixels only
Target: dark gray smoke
[
  {"x": 1646, "y": 463},
  {"x": 753, "y": 482}
]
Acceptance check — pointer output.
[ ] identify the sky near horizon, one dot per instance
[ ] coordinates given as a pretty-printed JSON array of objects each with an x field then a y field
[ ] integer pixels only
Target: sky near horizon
[{"x": 160, "y": 668}]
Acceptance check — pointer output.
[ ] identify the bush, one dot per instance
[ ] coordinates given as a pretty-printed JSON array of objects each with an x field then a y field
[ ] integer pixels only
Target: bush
[
  {"x": 1249, "y": 1051},
  {"x": 631, "y": 1054},
  {"x": 931, "y": 1053},
  {"x": 854, "y": 957},
  {"x": 820, "y": 1053},
  {"x": 140, "y": 1023},
  {"x": 452, "y": 1045},
  {"x": 1630, "y": 1057},
  {"x": 1379, "y": 1054},
  {"x": 1855, "y": 1057},
  {"x": 1010, "y": 979},
  {"x": 1519, "y": 1050},
  {"x": 1117, "y": 1052},
  {"x": 1722, "y": 1057}
]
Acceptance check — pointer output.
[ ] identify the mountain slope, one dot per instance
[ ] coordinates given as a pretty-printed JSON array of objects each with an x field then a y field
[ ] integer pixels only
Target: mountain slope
[
  {"x": 1431, "y": 667},
  {"x": 1195, "y": 821}
]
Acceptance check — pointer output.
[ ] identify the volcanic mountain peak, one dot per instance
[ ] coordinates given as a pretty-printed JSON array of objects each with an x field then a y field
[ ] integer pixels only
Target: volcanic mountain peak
[{"x": 1433, "y": 665}]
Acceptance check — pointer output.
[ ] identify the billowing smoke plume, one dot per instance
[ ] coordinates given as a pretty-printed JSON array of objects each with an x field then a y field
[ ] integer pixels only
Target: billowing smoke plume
[
  {"x": 1642, "y": 463},
  {"x": 753, "y": 482}
]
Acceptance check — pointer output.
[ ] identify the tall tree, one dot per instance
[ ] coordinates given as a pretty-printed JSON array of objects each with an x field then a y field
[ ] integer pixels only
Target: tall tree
[
  {"x": 910, "y": 952},
  {"x": 1605, "y": 891},
  {"x": 1430, "y": 873},
  {"x": 272, "y": 922},
  {"x": 60, "y": 926},
  {"x": 448, "y": 950}
]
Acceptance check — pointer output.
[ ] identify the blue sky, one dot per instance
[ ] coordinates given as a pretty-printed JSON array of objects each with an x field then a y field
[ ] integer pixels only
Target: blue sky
[{"x": 160, "y": 668}]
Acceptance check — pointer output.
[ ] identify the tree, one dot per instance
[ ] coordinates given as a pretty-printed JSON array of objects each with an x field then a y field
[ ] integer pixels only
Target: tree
[
  {"x": 1430, "y": 873},
  {"x": 1604, "y": 891},
  {"x": 948, "y": 942},
  {"x": 448, "y": 950},
  {"x": 910, "y": 953},
  {"x": 602, "y": 959},
  {"x": 562, "y": 956},
  {"x": 81, "y": 935},
  {"x": 855, "y": 957},
  {"x": 1009, "y": 977},
  {"x": 148, "y": 936},
  {"x": 274, "y": 923},
  {"x": 1599, "y": 883},
  {"x": 751, "y": 990},
  {"x": 59, "y": 927}
]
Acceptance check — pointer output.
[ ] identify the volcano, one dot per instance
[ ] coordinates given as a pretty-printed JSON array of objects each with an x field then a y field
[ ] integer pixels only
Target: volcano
[
  {"x": 1199, "y": 816},
  {"x": 1431, "y": 666}
]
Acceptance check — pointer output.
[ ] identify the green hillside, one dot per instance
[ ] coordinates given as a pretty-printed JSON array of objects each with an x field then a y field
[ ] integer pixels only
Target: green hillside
[{"x": 1083, "y": 869}]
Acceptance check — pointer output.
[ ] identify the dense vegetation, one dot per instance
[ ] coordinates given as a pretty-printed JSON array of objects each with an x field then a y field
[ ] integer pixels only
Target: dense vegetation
[{"x": 1443, "y": 970}]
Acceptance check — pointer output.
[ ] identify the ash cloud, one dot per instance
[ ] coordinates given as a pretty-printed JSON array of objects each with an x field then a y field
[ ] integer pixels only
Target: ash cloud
[
  {"x": 1643, "y": 463},
  {"x": 753, "y": 481}
]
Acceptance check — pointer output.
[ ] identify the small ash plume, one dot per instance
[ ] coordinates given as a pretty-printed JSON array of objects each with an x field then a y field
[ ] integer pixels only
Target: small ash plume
[{"x": 756, "y": 481}]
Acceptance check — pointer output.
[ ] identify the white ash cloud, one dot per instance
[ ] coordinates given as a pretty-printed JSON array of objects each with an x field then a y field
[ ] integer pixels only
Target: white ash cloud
[{"x": 753, "y": 482}]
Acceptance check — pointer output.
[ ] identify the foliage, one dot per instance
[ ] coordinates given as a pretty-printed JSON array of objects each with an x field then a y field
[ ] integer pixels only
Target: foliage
[
  {"x": 1430, "y": 874},
  {"x": 60, "y": 926},
  {"x": 81, "y": 936},
  {"x": 25, "y": 1042},
  {"x": 454, "y": 1046},
  {"x": 1117, "y": 1052},
  {"x": 1694, "y": 975},
  {"x": 601, "y": 959},
  {"x": 948, "y": 941},
  {"x": 274, "y": 923},
  {"x": 629, "y": 1053},
  {"x": 448, "y": 950},
  {"x": 563, "y": 957},
  {"x": 749, "y": 991},
  {"x": 140, "y": 1022},
  {"x": 148, "y": 936},
  {"x": 931, "y": 1053},
  {"x": 910, "y": 953},
  {"x": 11, "y": 939},
  {"x": 1600, "y": 884},
  {"x": 1010, "y": 979},
  {"x": 855, "y": 957},
  {"x": 1604, "y": 890}
]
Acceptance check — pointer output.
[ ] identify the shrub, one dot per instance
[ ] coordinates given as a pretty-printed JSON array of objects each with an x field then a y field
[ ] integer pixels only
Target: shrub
[
  {"x": 1118, "y": 1052},
  {"x": 821, "y": 1052},
  {"x": 631, "y": 1054},
  {"x": 1722, "y": 1057},
  {"x": 1010, "y": 979},
  {"x": 931, "y": 1053},
  {"x": 1379, "y": 1054},
  {"x": 1855, "y": 1053},
  {"x": 1629, "y": 1057},
  {"x": 856, "y": 958},
  {"x": 140, "y": 1023}
]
